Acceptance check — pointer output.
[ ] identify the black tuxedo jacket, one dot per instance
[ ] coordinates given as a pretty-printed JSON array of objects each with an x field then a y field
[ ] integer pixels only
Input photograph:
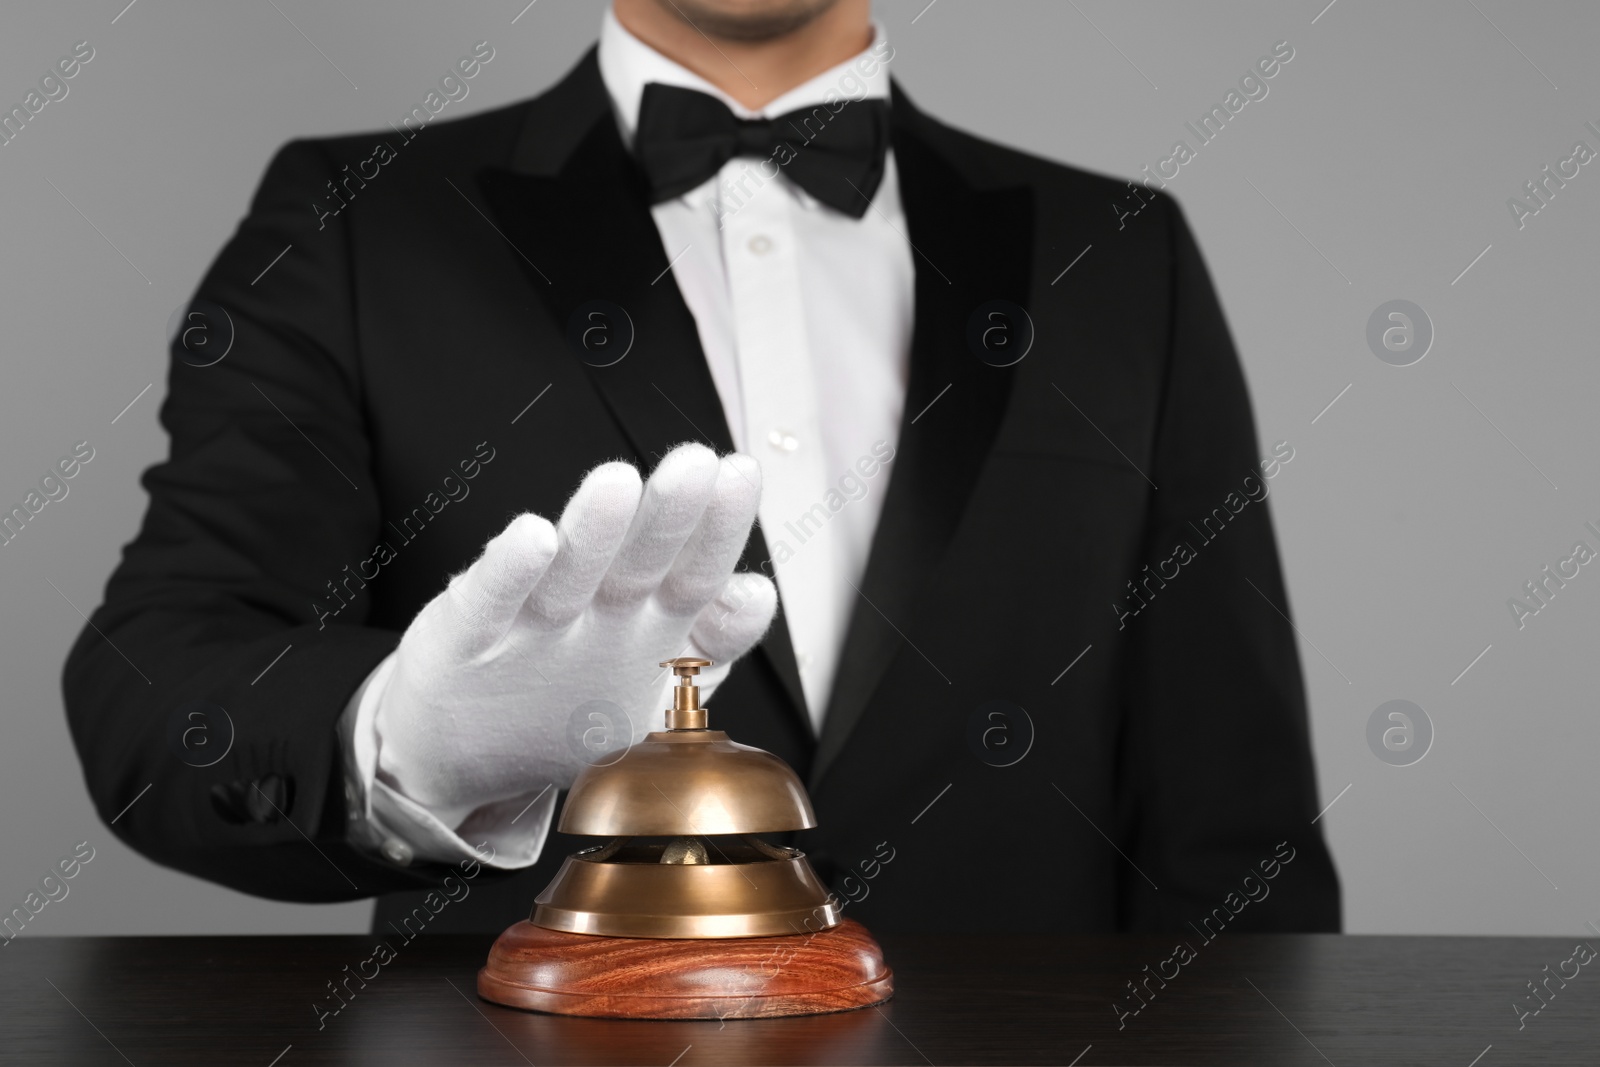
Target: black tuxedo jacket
[{"x": 396, "y": 304}]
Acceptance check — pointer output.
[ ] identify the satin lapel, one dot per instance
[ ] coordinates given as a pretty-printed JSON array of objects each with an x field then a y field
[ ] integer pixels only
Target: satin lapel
[
  {"x": 583, "y": 233},
  {"x": 971, "y": 246}
]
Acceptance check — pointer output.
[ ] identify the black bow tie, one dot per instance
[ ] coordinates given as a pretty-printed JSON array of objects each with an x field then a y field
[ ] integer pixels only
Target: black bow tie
[{"x": 686, "y": 136}]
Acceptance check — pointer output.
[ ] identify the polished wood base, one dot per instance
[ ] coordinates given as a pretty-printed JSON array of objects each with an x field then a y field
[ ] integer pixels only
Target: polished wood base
[{"x": 655, "y": 978}]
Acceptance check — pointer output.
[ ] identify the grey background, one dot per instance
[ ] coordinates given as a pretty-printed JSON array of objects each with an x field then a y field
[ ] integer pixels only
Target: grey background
[{"x": 1381, "y": 161}]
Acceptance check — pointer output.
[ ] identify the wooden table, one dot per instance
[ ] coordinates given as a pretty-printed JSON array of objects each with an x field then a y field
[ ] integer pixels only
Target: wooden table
[{"x": 1242, "y": 999}]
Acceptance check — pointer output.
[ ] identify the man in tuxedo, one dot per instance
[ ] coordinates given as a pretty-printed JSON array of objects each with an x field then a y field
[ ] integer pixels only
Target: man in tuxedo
[{"x": 569, "y": 352}]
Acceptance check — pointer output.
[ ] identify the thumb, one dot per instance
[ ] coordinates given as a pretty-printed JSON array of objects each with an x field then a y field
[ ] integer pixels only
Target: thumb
[{"x": 481, "y": 602}]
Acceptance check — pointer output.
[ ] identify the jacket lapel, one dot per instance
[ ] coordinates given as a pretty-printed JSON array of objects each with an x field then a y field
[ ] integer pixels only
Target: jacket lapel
[
  {"x": 971, "y": 245},
  {"x": 574, "y": 207}
]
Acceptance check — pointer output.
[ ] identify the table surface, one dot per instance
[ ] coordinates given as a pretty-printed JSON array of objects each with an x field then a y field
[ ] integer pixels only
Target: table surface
[{"x": 1242, "y": 999}]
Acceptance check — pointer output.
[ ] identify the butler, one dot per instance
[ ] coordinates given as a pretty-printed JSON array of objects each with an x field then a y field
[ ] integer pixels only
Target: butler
[{"x": 726, "y": 251}]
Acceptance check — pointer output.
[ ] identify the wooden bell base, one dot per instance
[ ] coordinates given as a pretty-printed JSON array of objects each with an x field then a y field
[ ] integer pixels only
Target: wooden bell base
[{"x": 654, "y": 978}]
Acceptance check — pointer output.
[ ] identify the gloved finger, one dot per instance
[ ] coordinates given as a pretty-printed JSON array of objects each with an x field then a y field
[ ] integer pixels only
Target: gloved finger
[
  {"x": 675, "y": 498},
  {"x": 589, "y": 534},
  {"x": 736, "y": 618},
  {"x": 481, "y": 602},
  {"x": 705, "y": 563}
]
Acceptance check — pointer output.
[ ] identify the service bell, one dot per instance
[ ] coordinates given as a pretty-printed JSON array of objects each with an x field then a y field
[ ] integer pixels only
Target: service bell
[{"x": 684, "y": 911}]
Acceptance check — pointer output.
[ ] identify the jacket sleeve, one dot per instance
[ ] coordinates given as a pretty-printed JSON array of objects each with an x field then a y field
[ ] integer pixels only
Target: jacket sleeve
[
  {"x": 1216, "y": 780},
  {"x": 203, "y": 696}
]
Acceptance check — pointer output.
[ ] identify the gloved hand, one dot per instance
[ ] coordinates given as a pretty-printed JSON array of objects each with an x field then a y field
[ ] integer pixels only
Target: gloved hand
[{"x": 480, "y": 703}]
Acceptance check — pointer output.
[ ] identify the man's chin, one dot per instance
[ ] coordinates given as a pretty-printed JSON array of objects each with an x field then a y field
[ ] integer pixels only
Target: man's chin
[{"x": 747, "y": 20}]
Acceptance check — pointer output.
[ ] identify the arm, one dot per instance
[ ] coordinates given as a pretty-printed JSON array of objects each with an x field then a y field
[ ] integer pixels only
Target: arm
[
  {"x": 312, "y": 784},
  {"x": 267, "y": 495},
  {"x": 1216, "y": 765}
]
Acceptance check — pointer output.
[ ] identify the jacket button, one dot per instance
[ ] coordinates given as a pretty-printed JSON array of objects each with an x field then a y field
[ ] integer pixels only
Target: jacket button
[
  {"x": 264, "y": 800},
  {"x": 269, "y": 798}
]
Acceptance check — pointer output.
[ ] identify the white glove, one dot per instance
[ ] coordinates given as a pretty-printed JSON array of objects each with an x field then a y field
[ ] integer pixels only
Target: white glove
[{"x": 486, "y": 692}]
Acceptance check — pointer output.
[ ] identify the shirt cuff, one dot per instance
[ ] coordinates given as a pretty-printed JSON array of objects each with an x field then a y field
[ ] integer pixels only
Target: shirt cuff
[{"x": 385, "y": 821}]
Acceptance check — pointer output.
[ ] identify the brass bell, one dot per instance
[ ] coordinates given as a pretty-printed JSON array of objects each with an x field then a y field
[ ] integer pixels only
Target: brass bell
[{"x": 684, "y": 911}]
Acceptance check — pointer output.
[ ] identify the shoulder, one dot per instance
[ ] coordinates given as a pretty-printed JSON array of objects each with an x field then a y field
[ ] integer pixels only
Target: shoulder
[
  {"x": 989, "y": 164},
  {"x": 434, "y": 140},
  {"x": 483, "y": 138},
  {"x": 1145, "y": 219}
]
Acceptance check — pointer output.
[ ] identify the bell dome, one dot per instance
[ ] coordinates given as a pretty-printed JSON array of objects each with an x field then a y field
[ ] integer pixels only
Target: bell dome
[{"x": 688, "y": 782}]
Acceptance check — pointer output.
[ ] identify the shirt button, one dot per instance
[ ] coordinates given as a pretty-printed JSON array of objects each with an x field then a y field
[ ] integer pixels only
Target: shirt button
[
  {"x": 760, "y": 244},
  {"x": 803, "y": 659},
  {"x": 397, "y": 851},
  {"x": 783, "y": 440}
]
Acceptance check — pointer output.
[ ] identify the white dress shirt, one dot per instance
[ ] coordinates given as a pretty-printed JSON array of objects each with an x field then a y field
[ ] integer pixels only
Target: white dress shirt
[{"x": 804, "y": 315}]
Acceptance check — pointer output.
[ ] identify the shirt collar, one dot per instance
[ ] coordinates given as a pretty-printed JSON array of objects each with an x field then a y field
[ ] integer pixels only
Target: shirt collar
[{"x": 627, "y": 65}]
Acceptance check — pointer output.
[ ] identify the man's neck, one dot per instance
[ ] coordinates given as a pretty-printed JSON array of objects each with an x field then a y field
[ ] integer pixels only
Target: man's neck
[{"x": 754, "y": 73}]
